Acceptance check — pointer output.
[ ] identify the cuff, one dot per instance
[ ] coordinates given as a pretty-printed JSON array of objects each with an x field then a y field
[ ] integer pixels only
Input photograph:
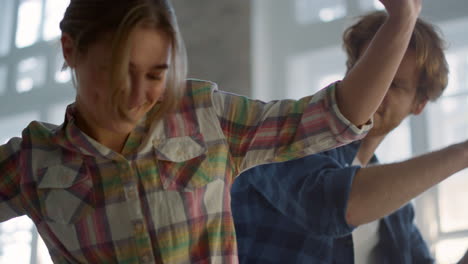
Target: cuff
[{"x": 345, "y": 131}]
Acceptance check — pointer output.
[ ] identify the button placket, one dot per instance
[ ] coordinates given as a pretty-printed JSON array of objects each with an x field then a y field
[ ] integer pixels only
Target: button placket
[
  {"x": 143, "y": 241},
  {"x": 146, "y": 259},
  {"x": 140, "y": 232},
  {"x": 139, "y": 228},
  {"x": 132, "y": 197},
  {"x": 131, "y": 192}
]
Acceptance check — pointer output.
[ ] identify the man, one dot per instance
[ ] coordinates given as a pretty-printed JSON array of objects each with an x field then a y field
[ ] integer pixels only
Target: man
[{"x": 304, "y": 211}]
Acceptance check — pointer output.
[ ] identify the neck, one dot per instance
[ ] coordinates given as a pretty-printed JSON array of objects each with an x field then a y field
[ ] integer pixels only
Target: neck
[
  {"x": 110, "y": 139},
  {"x": 367, "y": 149}
]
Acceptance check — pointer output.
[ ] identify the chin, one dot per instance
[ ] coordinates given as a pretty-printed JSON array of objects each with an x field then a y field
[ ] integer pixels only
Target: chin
[{"x": 121, "y": 127}]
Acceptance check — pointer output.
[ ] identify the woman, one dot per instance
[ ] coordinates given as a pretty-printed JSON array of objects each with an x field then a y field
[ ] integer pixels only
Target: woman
[{"x": 141, "y": 168}]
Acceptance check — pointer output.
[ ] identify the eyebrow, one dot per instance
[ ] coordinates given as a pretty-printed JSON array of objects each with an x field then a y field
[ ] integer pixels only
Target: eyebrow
[{"x": 163, "y": 66}]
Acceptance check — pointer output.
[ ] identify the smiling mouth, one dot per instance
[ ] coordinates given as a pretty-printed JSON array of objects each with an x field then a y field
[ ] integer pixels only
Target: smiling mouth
[{"x": 140, "y": 107}]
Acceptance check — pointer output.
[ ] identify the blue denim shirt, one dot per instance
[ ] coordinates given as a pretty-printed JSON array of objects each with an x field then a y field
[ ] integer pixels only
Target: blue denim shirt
[{"x": 294, "y": 212}]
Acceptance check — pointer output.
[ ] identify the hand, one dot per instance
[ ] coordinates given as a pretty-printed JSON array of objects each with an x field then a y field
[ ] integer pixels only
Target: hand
[{"x": 403, "y": 8}]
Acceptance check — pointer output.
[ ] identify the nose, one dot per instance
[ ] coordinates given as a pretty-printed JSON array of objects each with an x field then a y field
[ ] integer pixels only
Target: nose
[{"x": 137, "y": 92}]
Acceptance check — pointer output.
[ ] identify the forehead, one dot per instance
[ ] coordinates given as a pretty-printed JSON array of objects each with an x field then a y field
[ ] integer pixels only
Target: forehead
[
  {"x": 408, "y": 71},
  {"x": 149, "y": 45},
  {"x": 145, "y": 45}
]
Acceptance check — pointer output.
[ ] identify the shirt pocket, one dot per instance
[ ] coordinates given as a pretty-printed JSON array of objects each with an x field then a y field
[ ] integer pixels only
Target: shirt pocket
[
  {"x": 182, "y": 163},
  {"x": 66, "y": 194}
]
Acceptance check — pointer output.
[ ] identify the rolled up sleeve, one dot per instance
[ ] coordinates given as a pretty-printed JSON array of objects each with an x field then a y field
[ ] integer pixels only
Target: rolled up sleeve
[
  {"x": 312, "y": 191},
  {"x": 259, "y": 132}
]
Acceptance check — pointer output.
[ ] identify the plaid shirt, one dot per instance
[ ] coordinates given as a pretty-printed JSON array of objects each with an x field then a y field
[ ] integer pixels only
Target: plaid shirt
[
  {"x": 294, "y": 212},
  {"x": 166, "y": 197}
]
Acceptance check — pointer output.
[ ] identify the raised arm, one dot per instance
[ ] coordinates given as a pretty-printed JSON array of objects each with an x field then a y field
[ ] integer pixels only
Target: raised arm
[
  {"x": 378, "y": 191},
  {"x": 363, "y": 89}
]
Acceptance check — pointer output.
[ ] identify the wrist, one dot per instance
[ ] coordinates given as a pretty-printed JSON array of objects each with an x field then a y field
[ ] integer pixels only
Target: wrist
[
  {"x": 409, "y": 12},
  {"x": 403, "y": 22}
]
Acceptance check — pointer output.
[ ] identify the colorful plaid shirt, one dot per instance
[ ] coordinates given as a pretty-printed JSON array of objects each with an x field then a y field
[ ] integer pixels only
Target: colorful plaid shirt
[{"x": 166, "y": 197}]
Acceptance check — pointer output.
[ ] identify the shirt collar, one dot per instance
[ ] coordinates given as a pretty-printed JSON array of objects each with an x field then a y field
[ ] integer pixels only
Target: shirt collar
[{"x": 72, "y": 138}]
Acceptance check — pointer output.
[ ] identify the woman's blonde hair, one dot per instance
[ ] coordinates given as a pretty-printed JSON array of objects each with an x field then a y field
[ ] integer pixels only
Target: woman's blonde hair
[
  {"x": 425, "y": 41},
  {"x": 88, "y": 21}
]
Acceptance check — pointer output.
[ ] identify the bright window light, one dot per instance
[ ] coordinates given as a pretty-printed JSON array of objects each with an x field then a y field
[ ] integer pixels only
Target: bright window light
[
  {"x": 451, "y": 251},
  {"x": 452, "y": 203},
  {"x": 29, "y": 21},
  {"x": 330, "y": 14},
  {"x": 24, "y": 85},
  {"x": 6, "y": 25},
  {"x": 53, "y": 15},
  {"x": 31, "y": 73},
  {"x": 16, "y": 240},
  {"x": 329, "y": 79},
  {"x": 312, "y": 11},
  {"x": 369, "y": 5},
  {"x": 61, "y": 75},
  {"x": 378, "y": 5},
  {"x": 3, "y": 79}
]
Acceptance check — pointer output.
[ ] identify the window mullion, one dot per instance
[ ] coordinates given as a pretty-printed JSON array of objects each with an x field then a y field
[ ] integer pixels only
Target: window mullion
[
  {"x": 11, "y": 66},
  {"x": 41, "y": 25}
]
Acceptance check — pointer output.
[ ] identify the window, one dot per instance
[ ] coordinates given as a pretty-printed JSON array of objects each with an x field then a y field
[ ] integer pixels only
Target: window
[
  {"x": 32, "y": 87},
  {"x": 388, "y": 151},
  {"x": 16, "y": 241},
  {"x": 6, "y": 22},
  {"x": 29, "y": 22},
  {"x": 3, "y": 78},
  {"x": 31, "y": 74},
  {"x": 305, "y": 76},
  {"x": 311, "y": 11},
  {"x": 54, "y": 10},
  {"x": 370, "y": 5},
  {"x": 447, "y": 125},
  {"x": 451, "y": 251}
]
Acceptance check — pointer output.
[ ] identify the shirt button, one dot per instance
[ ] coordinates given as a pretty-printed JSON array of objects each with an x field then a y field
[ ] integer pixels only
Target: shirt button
[
  {"x": 139, "y": 227},
  {"x": 131, "y": 194},
  {"x": 146, "y": 259}
]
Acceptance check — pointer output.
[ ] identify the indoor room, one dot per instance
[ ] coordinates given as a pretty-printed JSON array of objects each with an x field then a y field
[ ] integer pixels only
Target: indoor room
[{"x": 262, "y": 49}]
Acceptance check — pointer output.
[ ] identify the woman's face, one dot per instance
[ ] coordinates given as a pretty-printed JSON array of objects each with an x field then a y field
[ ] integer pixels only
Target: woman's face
[{"x": 148, "y": 65}]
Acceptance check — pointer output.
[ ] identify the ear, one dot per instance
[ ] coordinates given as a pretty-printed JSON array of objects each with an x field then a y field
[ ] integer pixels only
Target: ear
[
  {"x": 68, "y": 50},
  {"x": 418, "y": 107}
]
